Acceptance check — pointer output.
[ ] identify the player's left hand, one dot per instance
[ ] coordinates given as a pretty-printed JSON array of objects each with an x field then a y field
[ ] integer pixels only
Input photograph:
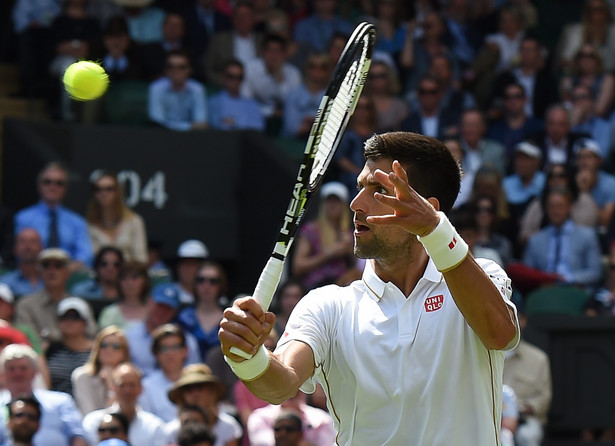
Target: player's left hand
[{"x": 410, "y": 210}]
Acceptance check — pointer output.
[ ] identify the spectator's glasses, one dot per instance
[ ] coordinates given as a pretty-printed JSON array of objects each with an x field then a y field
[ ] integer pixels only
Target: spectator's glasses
[
  {"x": 177, "y": 66},
  {"x": 558, "y": 175},
  {"x": 514, "y": 96},
  {"x": 55, "y": 265},
  {"x": 318, "y": 66},
  {"x": 109, "y": 189},
  {"x": 112, "y": 430},
  {"x": 49, "y": 182},
  {"x": 234, "y": 76},
  {"x": 27, "y": 415},
  {"x": 114, "y": 264},
  {"x": 113, "y": 345},
  {"x": 70, "y": 316},
  {"x": 133, "y": 276},
  {"x": 210, "y": 280},
  {"x": 428, "y": 91},
  {"x": 170, "y": 348},
  {"x": 581, "y": 97},
  {"x": 484, "y": 209},
  {"x": 372, "y": 76},
  {"x": 286, "y": 429}
]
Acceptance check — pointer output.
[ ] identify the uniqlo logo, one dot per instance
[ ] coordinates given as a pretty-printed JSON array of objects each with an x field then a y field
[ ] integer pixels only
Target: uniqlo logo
[
  {"x": 452, "y": 244},
  {"x": 434, "y": 303}
]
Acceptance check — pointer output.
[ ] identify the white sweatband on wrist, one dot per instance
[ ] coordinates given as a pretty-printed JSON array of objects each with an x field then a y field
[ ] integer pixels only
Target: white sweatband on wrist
[
  {"x": 252, "y": 368},
  {"x": 444, "y": 245}
]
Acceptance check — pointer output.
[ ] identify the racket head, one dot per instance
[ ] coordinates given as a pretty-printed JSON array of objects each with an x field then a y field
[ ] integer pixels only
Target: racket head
[{"x": 339, "y": 102}]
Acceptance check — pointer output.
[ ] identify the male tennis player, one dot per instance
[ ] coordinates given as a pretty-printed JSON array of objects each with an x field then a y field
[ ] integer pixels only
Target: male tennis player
[{"x": 413, "y": 353}]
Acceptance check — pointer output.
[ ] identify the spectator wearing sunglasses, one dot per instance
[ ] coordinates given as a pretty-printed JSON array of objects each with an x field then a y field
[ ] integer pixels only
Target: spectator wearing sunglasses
[
  {"x": 169, "y": 348},
  {"x": 104, "y": 286},
  {"x": 111, "y": 222},
  {"x": 176, "y": 101},
  {"x": 39, "y": 309},
  {"x": 92, "y": 381},
  {"x": 58, "y": 226},
  {"x": 203, "y": 319},
  {"x": 74, "y": 347},
  {"x": 24, "y": 416},
  {"x": 113, "y": 425},
  {"x": 431, "y": 118},
  {"x": 288, "y": 429},
  {"x": 228, "y": 110}
]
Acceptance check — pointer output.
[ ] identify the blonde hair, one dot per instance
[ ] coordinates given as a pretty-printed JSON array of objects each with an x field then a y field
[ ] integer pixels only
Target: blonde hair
[
  {"x": 329, "y": 234},
  {"x": 92, "y": 366},
  {"x": 94, "y": 212}
]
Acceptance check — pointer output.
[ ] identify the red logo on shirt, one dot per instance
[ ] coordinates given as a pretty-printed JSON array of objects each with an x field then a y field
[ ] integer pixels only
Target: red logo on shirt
[
  {"x": 434, "y": 303},
  {"x": 452, "y": 244}
]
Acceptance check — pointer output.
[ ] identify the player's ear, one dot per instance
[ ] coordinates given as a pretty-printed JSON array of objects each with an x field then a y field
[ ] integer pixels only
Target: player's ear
[{"x": 434, "y": 202}]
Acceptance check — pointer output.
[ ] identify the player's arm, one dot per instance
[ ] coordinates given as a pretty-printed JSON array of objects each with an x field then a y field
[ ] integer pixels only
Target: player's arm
[
  {"x": 246, "y": 326},
  {"x": 476, "y": 296}
]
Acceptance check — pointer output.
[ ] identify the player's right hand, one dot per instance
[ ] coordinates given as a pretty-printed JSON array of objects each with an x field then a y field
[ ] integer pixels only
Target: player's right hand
[{"x": 245, "y": 326}]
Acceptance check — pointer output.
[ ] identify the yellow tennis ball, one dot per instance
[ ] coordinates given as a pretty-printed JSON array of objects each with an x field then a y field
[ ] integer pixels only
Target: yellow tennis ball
[{"x": 85, "y": 80}]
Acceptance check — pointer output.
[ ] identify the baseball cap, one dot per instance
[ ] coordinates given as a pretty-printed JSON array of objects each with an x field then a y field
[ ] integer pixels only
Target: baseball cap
[
  {"x": 77, "y": 304},
  {"x": 336, "y": 189},
  {"x": 53, "y": 254},
  {"x": 6, "y": 294},
  {"x": 587, "y": 144},
  {"x": 192, "y": 249},
  {"x": 166, "y": 294},
  {"x": 528, "y": 149}
]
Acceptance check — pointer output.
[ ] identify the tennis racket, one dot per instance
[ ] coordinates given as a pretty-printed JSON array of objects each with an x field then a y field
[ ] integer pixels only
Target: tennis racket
[{"x": 336, "y": 107}]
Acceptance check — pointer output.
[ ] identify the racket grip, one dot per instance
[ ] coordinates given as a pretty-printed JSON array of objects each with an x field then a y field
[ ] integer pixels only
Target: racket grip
[{"x": 263, "y": 293}]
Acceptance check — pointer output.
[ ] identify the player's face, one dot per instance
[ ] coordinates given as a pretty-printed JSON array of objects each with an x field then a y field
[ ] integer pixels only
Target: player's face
[{"x": 379, "y": 242}]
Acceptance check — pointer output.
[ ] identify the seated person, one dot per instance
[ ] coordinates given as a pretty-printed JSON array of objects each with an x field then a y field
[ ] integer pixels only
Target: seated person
[
  {"x": 176, "y": 101},
  {"x": 571, "y": 252}
]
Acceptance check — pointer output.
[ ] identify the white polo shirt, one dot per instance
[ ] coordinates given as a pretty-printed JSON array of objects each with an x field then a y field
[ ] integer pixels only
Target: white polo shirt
[{"x": 402, "y": 371}]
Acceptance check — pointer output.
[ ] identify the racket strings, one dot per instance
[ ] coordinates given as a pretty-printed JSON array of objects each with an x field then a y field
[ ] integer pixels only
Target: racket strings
[{"x": 337, "y": 111}]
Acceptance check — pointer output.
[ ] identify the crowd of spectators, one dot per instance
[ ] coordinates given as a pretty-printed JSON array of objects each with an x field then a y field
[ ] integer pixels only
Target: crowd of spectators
[{"x": 119, "y": 340}]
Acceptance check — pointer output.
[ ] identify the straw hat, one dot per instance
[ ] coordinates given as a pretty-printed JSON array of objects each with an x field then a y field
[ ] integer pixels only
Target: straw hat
[{"x": 195, "y": 374}]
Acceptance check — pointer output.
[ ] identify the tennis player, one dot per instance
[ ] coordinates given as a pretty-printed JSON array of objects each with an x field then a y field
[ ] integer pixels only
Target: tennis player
[{"x": 413, "y": 353}]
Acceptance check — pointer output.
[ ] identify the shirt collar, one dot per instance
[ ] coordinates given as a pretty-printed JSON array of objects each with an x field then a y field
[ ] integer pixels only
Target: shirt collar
[{"x": 376, "y": 285}]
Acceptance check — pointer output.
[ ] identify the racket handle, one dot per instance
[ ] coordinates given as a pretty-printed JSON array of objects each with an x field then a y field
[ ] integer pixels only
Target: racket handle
[{"x": 263, "y": 293}]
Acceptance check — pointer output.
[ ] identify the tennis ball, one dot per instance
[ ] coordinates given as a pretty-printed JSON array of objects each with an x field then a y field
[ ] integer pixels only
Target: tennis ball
[{"x": 85, "y": 80}]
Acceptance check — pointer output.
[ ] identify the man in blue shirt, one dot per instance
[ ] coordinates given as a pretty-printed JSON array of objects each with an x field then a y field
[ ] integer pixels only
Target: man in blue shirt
[
  {"x": 26, "y": 278},
  {"x": 527, "y": 180},
  {"x": 60, "y": 423},
  {"x": 176, "y": 101},
  {"x": 318, "y": 28},
  {"x": 58, "y": 226},
  {"x": 228, "y": 110}
]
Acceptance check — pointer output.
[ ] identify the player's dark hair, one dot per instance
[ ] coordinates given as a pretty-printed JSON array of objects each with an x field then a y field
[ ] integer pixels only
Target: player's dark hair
[{"x": 432, "y": 170}]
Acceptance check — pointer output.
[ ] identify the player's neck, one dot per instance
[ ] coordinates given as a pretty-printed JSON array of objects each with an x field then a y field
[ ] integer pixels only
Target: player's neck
[{"x": 404, "y": 272}]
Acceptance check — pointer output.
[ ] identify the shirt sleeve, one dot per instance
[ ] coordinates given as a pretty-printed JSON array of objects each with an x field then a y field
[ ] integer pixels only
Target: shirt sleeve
[
  {"x": 71, "y": 418},
  {"x": 155, "y": 110},
  {"x": 200, "y": 104}
]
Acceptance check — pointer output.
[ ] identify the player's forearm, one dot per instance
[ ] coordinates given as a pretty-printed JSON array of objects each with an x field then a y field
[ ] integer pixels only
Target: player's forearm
[
  {"x": 277, "y": 384},
  {"x": 481, "y": 304}
]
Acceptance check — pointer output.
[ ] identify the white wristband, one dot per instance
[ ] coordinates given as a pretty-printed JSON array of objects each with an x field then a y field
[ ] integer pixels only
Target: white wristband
[
  {"x": 252, "y": 368},
  {"x": 444, "y": 245}
]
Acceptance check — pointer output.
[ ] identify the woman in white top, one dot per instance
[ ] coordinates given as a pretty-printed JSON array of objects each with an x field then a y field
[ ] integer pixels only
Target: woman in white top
[
  {"x": 111, "y": 222},
  {"x": 91, "y": 382}
]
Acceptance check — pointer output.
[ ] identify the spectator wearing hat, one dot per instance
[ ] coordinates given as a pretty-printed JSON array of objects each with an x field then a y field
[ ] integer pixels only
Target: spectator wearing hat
[
  {"x": 317, "y": 424},
  {"x": 527, "y": 180},
  {"x": 162, "y": 308},
  {"x": 199, "y": 387},
  {"x": 563, "y": 248},
  {"x": 39, "y": 309},
  {"x": 73, "y": 349},
  {"x": 190, "y": 255},
  {"x": 169, "y": 347},
  {"x": 324, "y": 247},
  {"x": 589, "y": 157},
  {"x": 26, "y": 278},
  {"x": 144, "y": 428},
  {"x": 58, "y": 226},
  {"x": 24, "y": 419},
  {"x": 60, "y": 423},
  {"x": 585, "y": 119}
]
